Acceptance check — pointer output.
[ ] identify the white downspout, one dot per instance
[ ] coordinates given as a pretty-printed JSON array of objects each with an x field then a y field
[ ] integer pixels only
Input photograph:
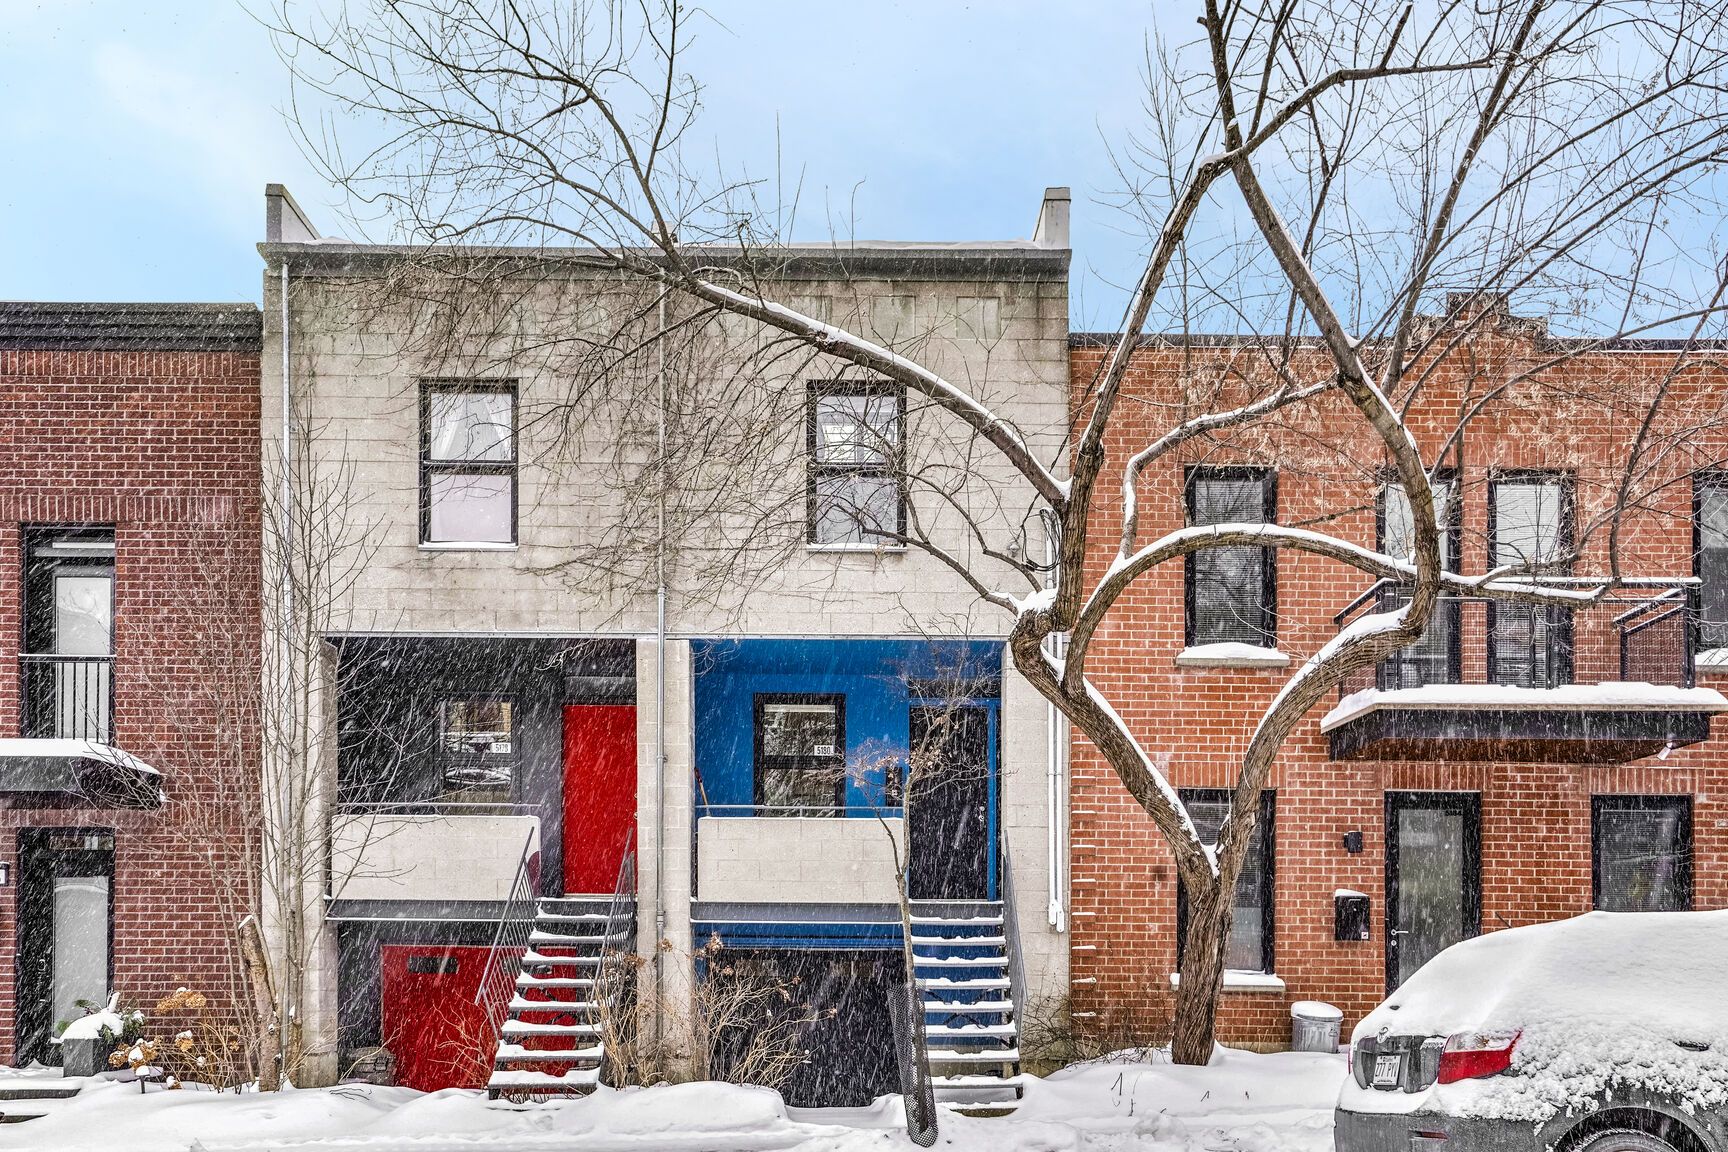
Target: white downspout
[
  {"x": 660, "y": 693},
  {"x": 1056, "y": 752}
]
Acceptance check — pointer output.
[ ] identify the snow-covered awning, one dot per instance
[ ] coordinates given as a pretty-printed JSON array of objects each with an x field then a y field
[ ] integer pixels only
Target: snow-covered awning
[
  {"x": 1612, "y": 696},
  {"x": 49, "y": 773}
]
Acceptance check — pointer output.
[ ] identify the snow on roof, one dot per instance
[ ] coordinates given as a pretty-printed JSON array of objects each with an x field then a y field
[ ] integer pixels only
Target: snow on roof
[
  {"x": 1616, "y": 695},
  {"x": 1603, "y": 1000},
  {"x": 75, "y": 750}
]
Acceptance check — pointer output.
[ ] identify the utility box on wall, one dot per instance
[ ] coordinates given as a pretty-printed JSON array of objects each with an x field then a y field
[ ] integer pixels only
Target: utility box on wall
[{"x": 1349, "y": 915}]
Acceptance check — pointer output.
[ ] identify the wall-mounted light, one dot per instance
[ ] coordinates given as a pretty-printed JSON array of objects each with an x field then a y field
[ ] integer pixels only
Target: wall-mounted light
[{"x": 5, "y": 874}]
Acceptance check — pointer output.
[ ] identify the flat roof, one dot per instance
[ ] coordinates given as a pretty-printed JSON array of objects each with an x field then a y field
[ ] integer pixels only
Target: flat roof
[{"x": 81, "y": 326}]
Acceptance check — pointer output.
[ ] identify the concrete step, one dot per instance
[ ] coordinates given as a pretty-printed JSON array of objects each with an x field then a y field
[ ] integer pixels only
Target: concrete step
[
  {"x": 997, "y": 961},
  {"x": 535, "y": 1028},
  {"x": 580, "y": 1080},
  {"x": 962, "y": 983},
  {"x": 973, "y": 1056},
  {"x": 970, "y": 1031},
  {"x": 515, "y": 1053},
  {"x": 962, "y": 1008}
]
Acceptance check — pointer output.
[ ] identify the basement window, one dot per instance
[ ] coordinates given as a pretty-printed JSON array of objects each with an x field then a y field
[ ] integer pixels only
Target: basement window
[
  {"x": 1250, "y": 946},
  {"x": 1641, "y": 848}
]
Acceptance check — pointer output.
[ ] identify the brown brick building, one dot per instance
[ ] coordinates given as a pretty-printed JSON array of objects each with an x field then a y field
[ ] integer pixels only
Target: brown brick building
[
  {"x": 129, "y": 621},
  {"x": 1493, "y": 774}
]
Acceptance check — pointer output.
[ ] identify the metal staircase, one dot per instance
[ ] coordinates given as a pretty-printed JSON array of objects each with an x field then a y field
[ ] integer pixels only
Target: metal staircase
[
  {"x": 551, "y": 1042},
  {"x": 561, "y": 974},
  {"x": 968, "y": 983}
]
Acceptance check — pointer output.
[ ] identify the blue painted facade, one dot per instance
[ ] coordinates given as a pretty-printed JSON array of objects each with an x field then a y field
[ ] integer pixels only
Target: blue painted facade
[{"x": 882, "y": 681}]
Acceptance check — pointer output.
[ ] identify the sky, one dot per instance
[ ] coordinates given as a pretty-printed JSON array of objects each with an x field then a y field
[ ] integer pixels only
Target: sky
[{"x": 138, "y": 135}]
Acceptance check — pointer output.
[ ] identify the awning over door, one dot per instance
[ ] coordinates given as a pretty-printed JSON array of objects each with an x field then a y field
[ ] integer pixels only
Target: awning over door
[{"x": 63, "y": 773}]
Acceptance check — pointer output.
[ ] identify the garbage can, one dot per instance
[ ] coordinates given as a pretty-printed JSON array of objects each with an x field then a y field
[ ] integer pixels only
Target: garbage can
[{"x": 1314, "y": 1026}]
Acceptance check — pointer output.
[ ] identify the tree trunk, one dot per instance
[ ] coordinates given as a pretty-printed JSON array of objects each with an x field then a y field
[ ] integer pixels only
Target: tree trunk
[
  {"x": 263, "y": 1005},
  {"x": 1194, "y": 1029}
]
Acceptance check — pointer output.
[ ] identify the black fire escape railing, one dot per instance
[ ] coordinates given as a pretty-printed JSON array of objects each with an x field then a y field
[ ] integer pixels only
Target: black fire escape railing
[{"x": 1644, "y": 632}]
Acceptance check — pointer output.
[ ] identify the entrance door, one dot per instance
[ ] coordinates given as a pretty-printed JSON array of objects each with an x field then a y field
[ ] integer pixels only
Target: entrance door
[
  {"x": 1433, "y": 876},
  {"x": 948, "y": 810},
  {"x": 65, "y": 931},
  {"x": 599, "y": 793},
  {"x": 439, "y": 1036}
]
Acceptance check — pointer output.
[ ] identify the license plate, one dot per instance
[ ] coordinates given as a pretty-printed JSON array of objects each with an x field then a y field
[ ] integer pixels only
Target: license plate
[{"x": 1387, "y": 1071}]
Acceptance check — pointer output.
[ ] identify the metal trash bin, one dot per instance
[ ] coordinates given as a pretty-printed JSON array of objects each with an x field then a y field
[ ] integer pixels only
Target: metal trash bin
[{"x": 1314, "y": 1026}]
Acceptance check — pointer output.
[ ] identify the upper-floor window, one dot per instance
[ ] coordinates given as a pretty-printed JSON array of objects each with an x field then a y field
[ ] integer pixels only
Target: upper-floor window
[
  {"x": 467, "y": 463},
  {"x": 1232, "y": 591},
  {"x": 68, "y": 651},
  {"x": 1530, "y": 528},
  {"x": 1710, "y": 555},
  {"x": 1642, "y": 853},
  {"x": 800, "y": 753},
  {"x": 1251, "y": 909},
  {"x": 854, "y": 440},
  {"x": 1434, "y": 658}
]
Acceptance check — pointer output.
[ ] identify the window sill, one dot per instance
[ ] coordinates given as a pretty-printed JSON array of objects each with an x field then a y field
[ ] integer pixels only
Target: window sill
[
  {"x": 1231, "y": 656},
  {"x": 465, "y": 546},
  {"x": 1239, "y": 981},
  {"x": 1713, "y": 661},
  {"x": 890, "y": 549}
]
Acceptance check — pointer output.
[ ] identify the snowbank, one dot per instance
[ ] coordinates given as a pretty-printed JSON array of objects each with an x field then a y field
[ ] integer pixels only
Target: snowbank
[
  {"x": 1241, "y": 1101},
  {"x": 1603, "y": 1000}
]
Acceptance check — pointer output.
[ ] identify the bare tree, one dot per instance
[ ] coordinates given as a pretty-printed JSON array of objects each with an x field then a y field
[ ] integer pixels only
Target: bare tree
[{"x": 1314, "y": 178}]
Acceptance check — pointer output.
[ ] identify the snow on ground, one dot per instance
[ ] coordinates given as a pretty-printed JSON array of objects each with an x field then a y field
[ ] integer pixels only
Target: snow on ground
[{"x": 1241, "y": 1102}]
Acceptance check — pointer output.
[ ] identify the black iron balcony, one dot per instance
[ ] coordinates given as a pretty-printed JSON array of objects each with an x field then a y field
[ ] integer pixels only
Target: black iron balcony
[
  {"x": 1494, "y": 680},
  {"x": 68, "y": 697}
]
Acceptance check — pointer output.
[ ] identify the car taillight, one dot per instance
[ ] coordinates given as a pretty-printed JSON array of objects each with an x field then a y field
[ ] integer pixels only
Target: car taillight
[{"x": 1473, "y": 1055}]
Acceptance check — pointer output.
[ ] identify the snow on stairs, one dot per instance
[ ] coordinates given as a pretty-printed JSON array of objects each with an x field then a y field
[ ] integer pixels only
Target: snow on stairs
[
  {"x": 550, "y": 1043},
  {"x": 21, "y": 1097},
  {"x": 971, "y": 1032}
]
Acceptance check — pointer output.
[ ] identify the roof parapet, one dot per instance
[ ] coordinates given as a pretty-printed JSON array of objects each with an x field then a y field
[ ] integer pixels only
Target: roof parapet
[
  {"x": 284, "y": 221},
  {"x": 1051, "y": 231}
]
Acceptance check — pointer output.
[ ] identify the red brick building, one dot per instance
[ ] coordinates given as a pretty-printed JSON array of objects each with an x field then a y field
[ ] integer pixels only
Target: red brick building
[
  {"x": 129, "y": 633},
  {"x": 1453, "y": 805}
]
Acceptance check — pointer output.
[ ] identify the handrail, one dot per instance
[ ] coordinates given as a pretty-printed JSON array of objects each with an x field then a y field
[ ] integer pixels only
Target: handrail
[
  {"x": 1671, "y": 585},
  {"x": 509, "y": 940},
  {"x": 1017, "y": 991},
  {"x": 618, "y": 942}
]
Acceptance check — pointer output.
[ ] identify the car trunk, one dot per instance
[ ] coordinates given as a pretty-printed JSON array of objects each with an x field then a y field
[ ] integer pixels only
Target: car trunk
[{"x": 1397, "y": 1063}]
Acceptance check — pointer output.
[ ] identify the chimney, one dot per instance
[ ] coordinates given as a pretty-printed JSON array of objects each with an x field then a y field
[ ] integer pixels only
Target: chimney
[
  {"x": 1051, "y": 230},
  {"x": 284, "y": 222}
]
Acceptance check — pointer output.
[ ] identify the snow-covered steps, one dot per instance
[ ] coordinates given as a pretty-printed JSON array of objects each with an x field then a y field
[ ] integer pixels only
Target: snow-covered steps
[
  {"x": 549, "y": 1044},
  {"x": 23, "y": 1098},
  {"x": 961, "y": 967}
]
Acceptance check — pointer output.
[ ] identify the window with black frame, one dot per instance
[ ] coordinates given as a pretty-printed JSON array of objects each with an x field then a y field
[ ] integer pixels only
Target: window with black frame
[
  {"x": 1251, "y": 915},
  {"x": 1530, "y": 529},
  {"x": 854, "y": 438},
  {"x": 1710, "y": 556},
  {"x": 1641, "y": 848},
  {"x": 1231, "y": 591},
  {"x": 800, "y": 753},
  {"x": 1433, "y": 658},
  {"x": 467, "y": 463},
  {"x": 476, "y": 743},
  {"x": 67, "y": 662}
]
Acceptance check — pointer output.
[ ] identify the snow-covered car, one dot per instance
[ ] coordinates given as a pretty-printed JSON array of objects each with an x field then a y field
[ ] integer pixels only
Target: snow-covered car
[{"x": 1604, "y": 1033}]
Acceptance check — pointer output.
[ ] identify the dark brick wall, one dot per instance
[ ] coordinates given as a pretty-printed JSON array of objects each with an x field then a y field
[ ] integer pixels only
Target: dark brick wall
[{"x": 165, "y": 447}]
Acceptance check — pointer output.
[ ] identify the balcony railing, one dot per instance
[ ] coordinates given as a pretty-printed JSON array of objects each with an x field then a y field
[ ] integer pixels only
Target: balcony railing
[
  {"x": 1606, "y": 682},
  {"x": 1643, "y": 634},
  {"x": 68, "y": 697}
]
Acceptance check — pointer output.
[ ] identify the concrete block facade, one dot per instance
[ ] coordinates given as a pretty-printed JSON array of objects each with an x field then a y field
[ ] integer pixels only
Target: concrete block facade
[{"x": 1535, "y": 818}]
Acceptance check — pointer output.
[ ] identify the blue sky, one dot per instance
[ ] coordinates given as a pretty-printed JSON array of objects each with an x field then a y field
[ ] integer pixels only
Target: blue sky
[{"x": 138, "y": 135}]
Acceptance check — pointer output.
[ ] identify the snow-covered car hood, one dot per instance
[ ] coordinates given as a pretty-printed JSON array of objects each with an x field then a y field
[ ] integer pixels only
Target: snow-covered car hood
[{"x": 1604, "y": 1001}]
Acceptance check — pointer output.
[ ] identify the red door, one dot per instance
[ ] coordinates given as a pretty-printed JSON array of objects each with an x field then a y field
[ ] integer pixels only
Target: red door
[
  {"x": 439, "y": 1036},
  {"x": 599, "y": 793}
]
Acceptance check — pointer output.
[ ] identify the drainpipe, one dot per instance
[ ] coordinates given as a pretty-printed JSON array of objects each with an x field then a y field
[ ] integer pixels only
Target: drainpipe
[
  {"x": 660, "y": 693},
  {"x": 1056, "y": 752}
]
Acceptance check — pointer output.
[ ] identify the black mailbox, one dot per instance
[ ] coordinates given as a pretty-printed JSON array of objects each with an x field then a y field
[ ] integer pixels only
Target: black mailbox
[{"x": 1349, "y": 915}]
